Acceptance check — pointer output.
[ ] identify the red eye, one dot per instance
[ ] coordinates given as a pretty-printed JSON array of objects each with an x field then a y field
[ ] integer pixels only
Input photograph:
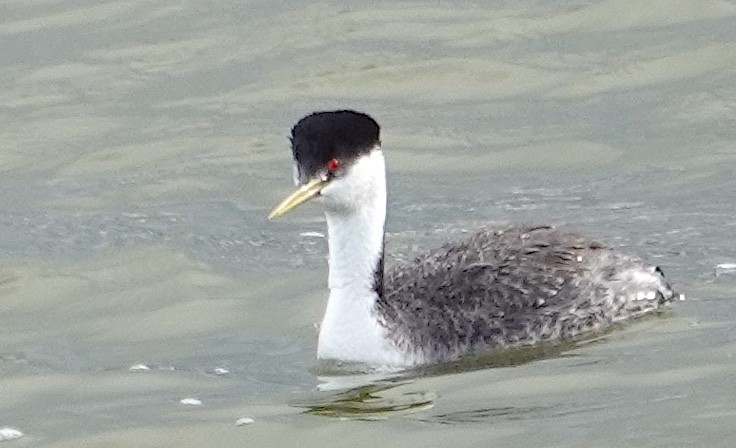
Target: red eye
[{"x": 333, "y": 165}]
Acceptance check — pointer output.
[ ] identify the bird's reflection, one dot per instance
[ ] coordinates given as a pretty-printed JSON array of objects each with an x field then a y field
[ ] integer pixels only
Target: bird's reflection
[
  {"x": 365, "y": 397},
  {"x": 352, "y": 391}
]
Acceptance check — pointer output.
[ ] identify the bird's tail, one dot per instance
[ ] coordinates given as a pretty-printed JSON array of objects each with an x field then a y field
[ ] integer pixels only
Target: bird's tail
[{"x": 665, "y": 293}]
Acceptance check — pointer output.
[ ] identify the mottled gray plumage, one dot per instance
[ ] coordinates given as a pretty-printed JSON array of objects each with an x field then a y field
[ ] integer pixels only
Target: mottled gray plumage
[{"x": 511, "y": 288}]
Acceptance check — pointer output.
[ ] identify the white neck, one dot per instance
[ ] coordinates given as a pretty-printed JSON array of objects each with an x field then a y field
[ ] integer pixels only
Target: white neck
[{"x": 356, "y": 214}]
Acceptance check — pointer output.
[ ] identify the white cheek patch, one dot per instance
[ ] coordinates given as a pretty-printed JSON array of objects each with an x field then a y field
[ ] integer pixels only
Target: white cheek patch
[
  {"x": 359, "y": 184},
  {"x": 295, "y": 173}
]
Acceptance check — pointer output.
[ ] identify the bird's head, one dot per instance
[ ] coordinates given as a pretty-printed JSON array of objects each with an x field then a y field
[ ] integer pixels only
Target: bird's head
[{"x": 337, "y": 160}]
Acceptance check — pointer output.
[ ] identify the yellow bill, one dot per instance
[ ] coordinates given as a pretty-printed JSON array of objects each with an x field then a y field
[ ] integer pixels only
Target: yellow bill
[{"x": 300, "y": 196}]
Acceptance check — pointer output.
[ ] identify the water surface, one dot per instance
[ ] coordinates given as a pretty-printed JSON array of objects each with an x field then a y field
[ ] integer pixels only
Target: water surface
[{"x": 142, "y": 145}]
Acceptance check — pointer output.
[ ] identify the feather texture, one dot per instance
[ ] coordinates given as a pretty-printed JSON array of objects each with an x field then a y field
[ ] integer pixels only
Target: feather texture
[{"x": 515, "y": 287}]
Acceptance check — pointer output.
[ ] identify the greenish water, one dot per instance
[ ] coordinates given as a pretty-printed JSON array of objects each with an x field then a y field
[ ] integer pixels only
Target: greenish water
[{"x": 142, "y": 145}]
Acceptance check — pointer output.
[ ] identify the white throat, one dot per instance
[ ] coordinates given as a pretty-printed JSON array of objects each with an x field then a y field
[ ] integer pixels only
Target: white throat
[{"x": 356, "y": 214}]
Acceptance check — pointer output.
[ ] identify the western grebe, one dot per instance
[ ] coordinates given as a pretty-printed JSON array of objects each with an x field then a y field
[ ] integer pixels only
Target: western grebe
[{"x": 494, "y": 290}]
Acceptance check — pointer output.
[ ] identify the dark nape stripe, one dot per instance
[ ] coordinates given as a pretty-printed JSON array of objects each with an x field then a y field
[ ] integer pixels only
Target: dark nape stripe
[{"x": 378, "y": 276}]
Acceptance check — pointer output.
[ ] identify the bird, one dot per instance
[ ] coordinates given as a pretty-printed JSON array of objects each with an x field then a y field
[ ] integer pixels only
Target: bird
[{"x": 494, "y": 290}]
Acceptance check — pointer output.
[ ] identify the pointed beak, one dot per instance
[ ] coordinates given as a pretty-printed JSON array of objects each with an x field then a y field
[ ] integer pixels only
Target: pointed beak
[{"x": 297, "y": 198}]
